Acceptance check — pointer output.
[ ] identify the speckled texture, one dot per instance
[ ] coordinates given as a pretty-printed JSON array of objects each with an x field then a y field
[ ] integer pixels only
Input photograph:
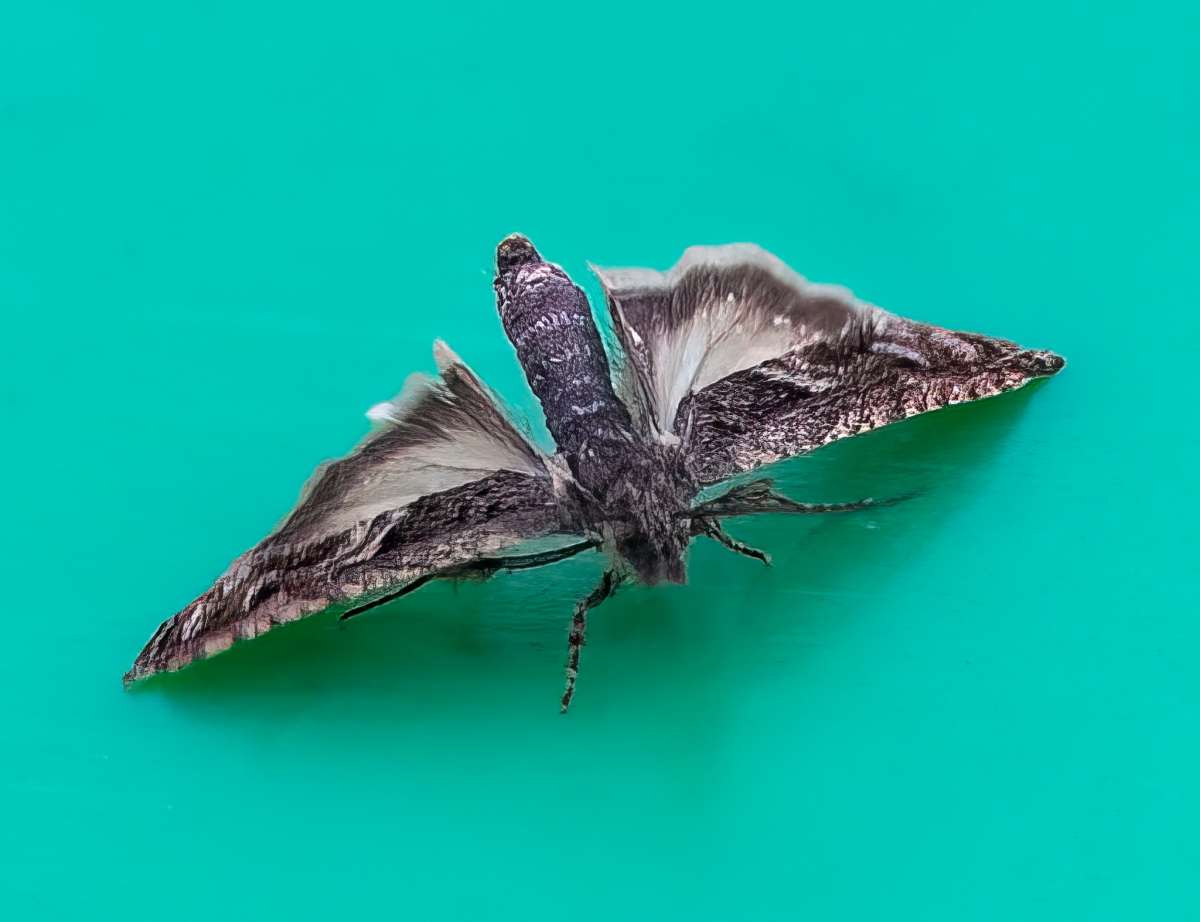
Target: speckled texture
[
  {"x": 752, "y": 362},
  {"x": 228, "y": 229}
]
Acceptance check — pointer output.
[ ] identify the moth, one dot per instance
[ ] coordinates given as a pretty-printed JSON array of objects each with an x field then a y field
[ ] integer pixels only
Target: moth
[{"x": 725, "y": 363}]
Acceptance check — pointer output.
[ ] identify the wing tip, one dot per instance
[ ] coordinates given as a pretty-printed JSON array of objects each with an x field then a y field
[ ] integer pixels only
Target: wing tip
[
  {"x": 444, "y": 357},
  {"x": 147, "y": 665},
  {"x": 143, "y": 669},
  {"x": 415, "y": 387},
  {"x": 154, "y": 659},
  {"x": 167, "y": 651},
  {"x": 139, "y": 672}
]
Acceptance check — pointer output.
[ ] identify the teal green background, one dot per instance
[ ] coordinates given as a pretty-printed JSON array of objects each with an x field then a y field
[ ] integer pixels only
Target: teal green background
[{"x": 228, "y": 229}]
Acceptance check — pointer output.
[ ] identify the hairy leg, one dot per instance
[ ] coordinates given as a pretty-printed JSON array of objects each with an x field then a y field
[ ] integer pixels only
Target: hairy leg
[
  {"x": 608, "y": 585},
  {"x": 483, "y": 568},
  {"x": 712, "y": 528},
  {"x": 759, "y": 496}
]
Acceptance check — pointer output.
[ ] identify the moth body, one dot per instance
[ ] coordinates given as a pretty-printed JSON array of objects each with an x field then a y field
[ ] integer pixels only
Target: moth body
[
  {"x": 725, "y": 363},
  {"x": 634, "y": 492}
]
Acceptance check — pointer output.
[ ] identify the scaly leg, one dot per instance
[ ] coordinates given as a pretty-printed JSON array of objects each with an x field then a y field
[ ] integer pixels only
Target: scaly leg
[
  {"x": 483, "y": 568},
  {"x": 712, "y": 528},
  {"x": 758, "y": 497},
  {"x": 608, "y": 585}
]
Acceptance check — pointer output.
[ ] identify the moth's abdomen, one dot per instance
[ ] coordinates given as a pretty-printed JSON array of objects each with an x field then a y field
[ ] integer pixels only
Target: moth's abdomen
[{"x": 548, "y": 320}]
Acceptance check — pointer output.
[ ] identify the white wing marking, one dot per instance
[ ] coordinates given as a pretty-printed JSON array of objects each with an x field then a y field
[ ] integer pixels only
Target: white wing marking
[
  {"x": 437, "y": 434},
  {"x": 720, "y": 310}
]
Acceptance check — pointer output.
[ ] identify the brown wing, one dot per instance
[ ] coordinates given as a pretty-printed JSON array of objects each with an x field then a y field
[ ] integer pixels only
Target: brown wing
[
  {"x": 717, "y": 311},
  {"x": 818, "y": 394},
  {"x": 445, "y": 479},
  {"x": 752, "y": 363}
]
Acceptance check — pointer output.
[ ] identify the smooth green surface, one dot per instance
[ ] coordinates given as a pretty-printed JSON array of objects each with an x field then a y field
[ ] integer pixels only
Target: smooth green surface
[{"x": 225, "y": 231}]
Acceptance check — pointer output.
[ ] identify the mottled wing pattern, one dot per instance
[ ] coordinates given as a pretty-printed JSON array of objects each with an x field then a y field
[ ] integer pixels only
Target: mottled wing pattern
[
  {"x": 827, "y": 391},
  {"x": 719, "y": 310},
  {"x": 444, "y": 479},
  {"x": 752, "y": 363}
]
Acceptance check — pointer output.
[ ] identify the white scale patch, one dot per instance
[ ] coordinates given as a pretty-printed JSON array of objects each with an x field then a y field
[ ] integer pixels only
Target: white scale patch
[
  {"x": 728, "y": 333},
  {"x": 451, "y": 458}
]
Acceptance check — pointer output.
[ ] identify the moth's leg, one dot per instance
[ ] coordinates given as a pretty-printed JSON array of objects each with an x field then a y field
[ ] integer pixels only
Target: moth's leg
[
  {"x": 488, "y": 566},
  {"x": 608, "y": 585},
  {"x": 384, "y": 599},
  {"x": 712, "y": 528},
  {"x": 482, "y": 568},
  {"x": 759, "y": 497},
  {"x": 789, "y": 505}
]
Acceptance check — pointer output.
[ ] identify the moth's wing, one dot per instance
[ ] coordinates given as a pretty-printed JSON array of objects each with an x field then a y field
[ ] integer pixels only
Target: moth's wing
[
  {"x": 444, "y": 479},
  {"x": 719, "y": 310},
  {"x": 753, "y": 364}
]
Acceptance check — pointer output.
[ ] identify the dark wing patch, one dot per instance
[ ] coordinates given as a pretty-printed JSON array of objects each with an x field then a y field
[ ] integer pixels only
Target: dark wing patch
[
  {"x": 282, "y": 580},
  {"x": 752, "y": 363},
  {"x": 818, "y": 394},
  {"x": 445, "y": 478}
]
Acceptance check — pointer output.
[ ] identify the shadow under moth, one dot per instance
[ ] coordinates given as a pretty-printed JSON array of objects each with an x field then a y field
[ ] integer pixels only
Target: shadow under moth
[{"x": 727, "y": 362}]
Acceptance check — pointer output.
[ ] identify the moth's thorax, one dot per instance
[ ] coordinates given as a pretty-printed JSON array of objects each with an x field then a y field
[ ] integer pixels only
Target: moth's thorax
[{"x": 645, "y": 508}]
